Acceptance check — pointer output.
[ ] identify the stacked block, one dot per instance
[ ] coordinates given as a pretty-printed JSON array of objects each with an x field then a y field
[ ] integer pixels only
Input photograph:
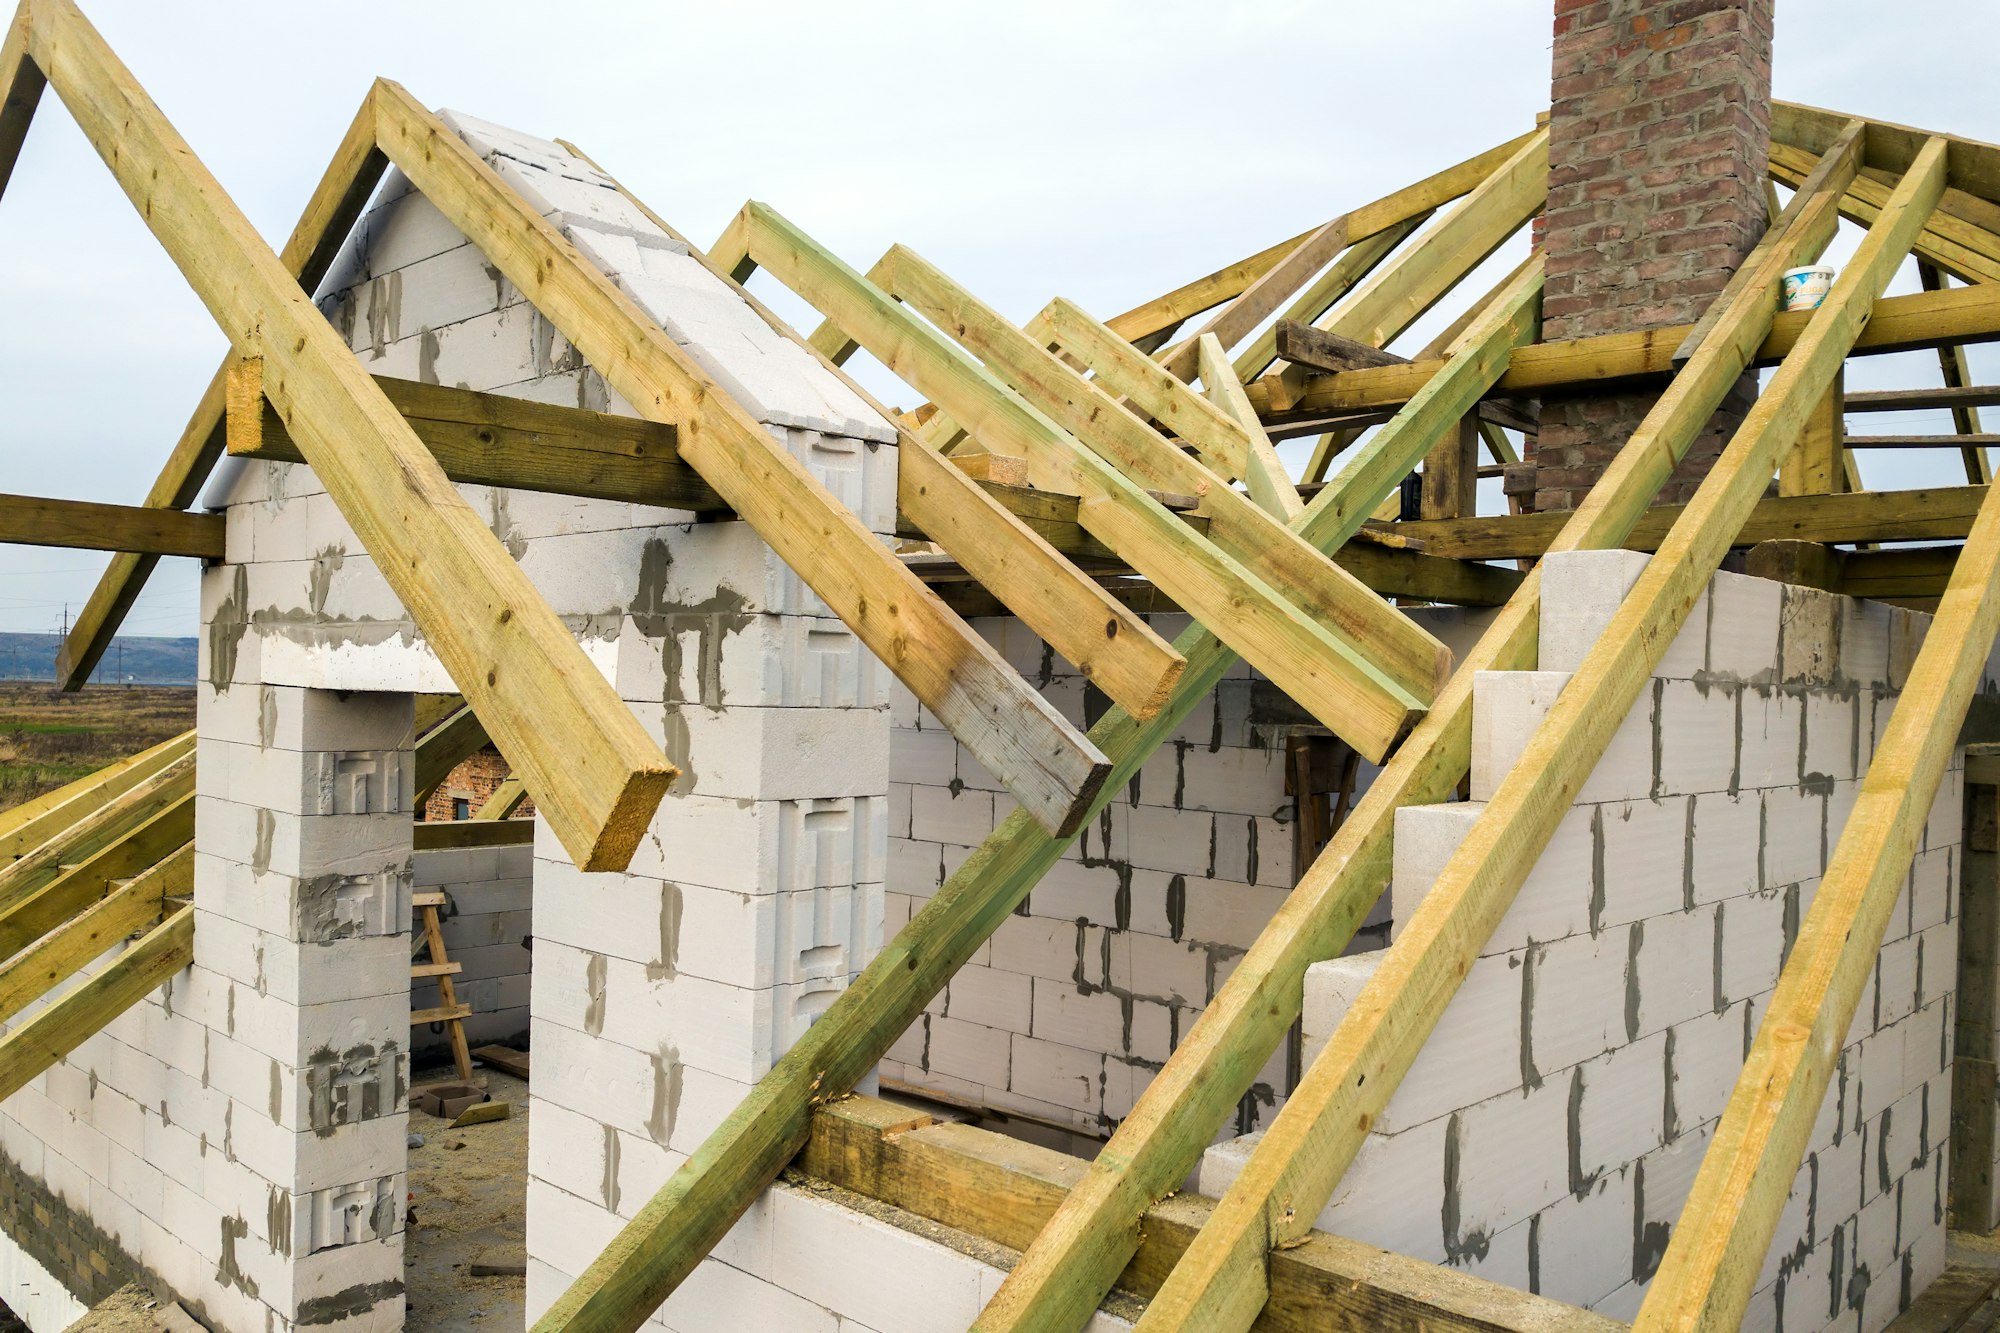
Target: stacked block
[{"x": 1550, "y": 1128}]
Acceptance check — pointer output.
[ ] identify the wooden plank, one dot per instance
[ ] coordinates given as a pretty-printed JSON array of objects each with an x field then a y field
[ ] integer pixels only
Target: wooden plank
[
  {"x": 24, "y": 94},
  {"x": 503, "y": 1058},
  {"x": 1241, "y": 581},
  {"x": 1958, "y": 379},
  {"x": 330, "y": 214},
  {"x": 1346, "y": 273},
  {"x": 1270, "y": 487},
  {"x": 115, "y": 819},
  {"x": 54, "y": 959},
  {"x": 1815, "y": 465},
  {"x": 72, "y": 1020},
  {"x": 1440, "y": 256},
  {"x": 1865, "y": 516},
  {"x": 596, "y": 775},
  {"x": 1011, "y": 729},
  {"x": 505, "y": 800},
  {"x": 1080, "y": 1253},
  {"x": 490, "y": 439},
  {"x": 1451, "y": 472},
  {"x": 443, "y": 748},
  {"x": 1898, "y": 324},
  {"x": 1718, "y": 1245},
  {"x": 32, "y": 823},
  {"x": 1319, "y": 349},
  {"x": 1002, "y": 1190},
  {"x": 423, "y": 900},
  {"x": 1957, "y": 398},
  {"x": 444, "y": 1013},
  {"x": 32, "y": 520},
  {"x": 78, "y": 886},
  {"x": 431, "y": 835},
  {"x": 1963, "y": 249},
  {"x": 1920, "y": 441},
  {"x": 418, "y": 970}
]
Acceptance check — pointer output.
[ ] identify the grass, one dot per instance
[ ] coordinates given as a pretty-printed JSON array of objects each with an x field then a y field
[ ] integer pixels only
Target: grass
[{"x": 48, "y": 738}]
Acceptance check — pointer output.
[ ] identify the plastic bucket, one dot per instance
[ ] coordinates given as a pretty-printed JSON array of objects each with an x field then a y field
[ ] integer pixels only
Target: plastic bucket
[{"x": 1805, "y": 288}]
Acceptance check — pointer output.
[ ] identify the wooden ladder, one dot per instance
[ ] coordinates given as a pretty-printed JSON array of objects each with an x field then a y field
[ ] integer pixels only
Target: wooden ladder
[{"x": 451, "y": 1013}]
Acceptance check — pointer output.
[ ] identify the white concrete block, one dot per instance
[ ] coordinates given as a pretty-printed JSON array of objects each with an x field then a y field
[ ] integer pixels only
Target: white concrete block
[
  {"x": 1569, "y": 991},
  {"x": 1704, "y": 1057},
  {"x": 1643, "y": 859},
  {"x": 1744, "y": 616},
  {"x": 1331, "y": 988},
  {"x": 1673, "y": 976},
  {"x": 1698, "y": 736},
  {"x": 1581, "y": 592},
  {"x": 1513, "y": 1154},
  {"x": 1507, "y": 708}
]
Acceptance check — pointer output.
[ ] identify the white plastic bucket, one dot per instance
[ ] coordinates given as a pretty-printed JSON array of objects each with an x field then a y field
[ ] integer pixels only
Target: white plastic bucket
[{"x": 1805, "y": 288}]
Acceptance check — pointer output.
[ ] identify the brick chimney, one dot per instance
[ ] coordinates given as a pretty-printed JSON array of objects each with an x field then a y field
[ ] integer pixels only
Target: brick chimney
[{"x": 1659, "y": 140}]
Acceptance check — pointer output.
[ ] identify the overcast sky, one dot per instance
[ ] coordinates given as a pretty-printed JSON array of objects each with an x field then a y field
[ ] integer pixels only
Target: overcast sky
[{"x": 1106, "y": 152}]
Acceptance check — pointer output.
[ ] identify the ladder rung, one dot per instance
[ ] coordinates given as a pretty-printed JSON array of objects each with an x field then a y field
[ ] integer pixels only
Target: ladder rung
[
  {"x": 441, "y": 1014},
  {"x": 435, "y": 969},
  {"x": 427, "y": 900}
]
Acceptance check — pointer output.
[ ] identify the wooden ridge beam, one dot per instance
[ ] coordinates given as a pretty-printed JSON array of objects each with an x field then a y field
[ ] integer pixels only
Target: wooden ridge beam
[
  {"x": 55, "y": 1031},
  {"x": 330, "y": 213},
  {"x": 33, "y": 520},
  {"x": 57, "y": 956},
  {"x": 1115, "y": 649},
  {"x": 1305, "y": 1152},
  {"x": 1236, "y": 586},
  {"x": 596, "y": 775},
  {"x": 32, "y": 823},
  {"x": 1002, "y": 1190},
  {"x": 1717, "y": 1247},
  {"x": 491, "y": 439},
  {"x": 1898, "y": 324},
  {"x": 1357, "y": 664},
  {"x": 1041, "y": 759}
]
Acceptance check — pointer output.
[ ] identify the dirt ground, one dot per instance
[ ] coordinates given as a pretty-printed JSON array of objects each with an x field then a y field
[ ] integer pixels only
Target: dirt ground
[
  {"x": 48, "y": 738},
  {"x": 469, "y": 1190}
]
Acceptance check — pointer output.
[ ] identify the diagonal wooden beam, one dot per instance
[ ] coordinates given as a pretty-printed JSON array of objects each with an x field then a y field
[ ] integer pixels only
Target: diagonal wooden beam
[
  {"x": 24, "y": 93},
  {"x": 78, "y": 886},
  {"x": 1270, "y": 487},
  {"x": 56, "y": 957},
  {"x": 595, "y": 774},
  {"x": 1962, "y": 248},
  {"x": 1236, "y": 587},
  {"x": 1018, "y": 735},
  {"x": 1106, "y": 642},
  {"x": 1341, "y": 277},
  {"x": 1958, "y": 380},
  {"x": 336, "y": 203},
  {"x": 55, "y": 1031},
  {"x": 27, "y": 826},
  {"x": 1718, "y": 1245},
  {"x": 163, "y": 786},
  {"x": 1221, "y": 1282}
]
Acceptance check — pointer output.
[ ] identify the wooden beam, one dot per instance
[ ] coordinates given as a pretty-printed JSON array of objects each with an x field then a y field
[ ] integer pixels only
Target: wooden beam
[
  {"x": 32, "y": 823},
  {"x": 596, "y": 775},
  {"x": 1002, "y": 1190},
  {"x": 72, "y": 1020},
  {"x": 1266, "y": 480},
  {"x": 505, "y": 800},
  {"x": 32, "y": 520},
  {"x": 1440, "y": 256},
  {"x": 1957, "y": 398},
  {"x": 1974, "y": 167},
  {"x": 57, "y": 956},
  {"x": 1181, "y": 1108},
  {"x": 1921, "y": 441},
  {"x": 1343, "y": 276},
  {"x": 443, "y": 748},
  {"x": 163, "y": 786},
  {"x": 1815, "y": 465},
  {"x": 24, "y": 94},
  {"x": 1235, "y": 584},
  {"x": 76, "y": 887},
  {"x": 1318, "y": 349},
  {"x": 1958, "y": 376},
  {"x": 1898, "y": 324},
  {"x": 1962, "y": 248},
  {"x": 430, "y": 835},
  {"x": 1013, "y": 731},
  {"x": 491, "y": 439},
  {"x": 330, "y": 214},
  {"x": 1718, "y": 1245}
]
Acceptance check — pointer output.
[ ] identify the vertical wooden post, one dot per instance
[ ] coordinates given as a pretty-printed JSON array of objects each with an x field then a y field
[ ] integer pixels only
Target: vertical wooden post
[
  {"x": 1975, "y": 1080},
  {"x": 1815, "y": 465},
  {"x": 1451, "y": 472}
]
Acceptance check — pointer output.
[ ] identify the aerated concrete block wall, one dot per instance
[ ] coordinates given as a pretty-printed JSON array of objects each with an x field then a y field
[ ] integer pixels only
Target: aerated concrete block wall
[
  {"x": 1550, "y": 1129},
  {"x": 488, "y": 893},
  {"x": 1079, "y": 998}
]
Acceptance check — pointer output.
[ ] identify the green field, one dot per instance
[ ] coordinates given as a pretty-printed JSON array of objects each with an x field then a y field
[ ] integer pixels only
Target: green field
[{"x": 48, "y": 738}]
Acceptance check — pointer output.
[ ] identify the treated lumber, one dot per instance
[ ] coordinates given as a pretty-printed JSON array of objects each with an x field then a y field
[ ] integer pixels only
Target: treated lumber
[
  {"x": 55, "y": 1031},
  {"x": 428, "y": 835},
  {"x": 1861, "y": 517},
  {"x": 1957, "y": 398},
  {"x": 1080, "y": 1253},
  {"x": 32, "y": 823},
  {"x": 1398, "y": 213},
  {"x": 76, "y": 887},
  {"x": 490, "y": 439},
  {"x": 1439, "y": 256},
  {"x": 1816, "y": 464},
  {"x": 1357, "y": 664},
  {"x": 1965, "y": 249},
  {"x": 672, "y": 1231},
  {"x": 33, "y": 520},
  {"x": 164, "y": 786},
  {"x": 1921, "y": 441},
  {"x": 596, "y": 775},
  {"x": 24, "y": 94},
  {"x": 1717, "y": 1247},
  {"x": 329, "y": 215},
  {"x": 443, "y": 748},
  {"x": 1958, "y": 375},
  {"x": 1898, "y": 324},
  {"x": 1319, "y": 349},
  {"x": 1129, "y": 373},
  {"x": 1020, "y": 738},
  {"x": 1341, "y": 277},
  {"x": 56, "y": 957},
  {"x": 1974, "y": 167},
  {"x": 1269, "y": 486},
  {"x": 505, "y": 800},
  {"x": 1118, "y": 651},
  {"x": 1002, "y": 1190},
  {"x": 1236, "y": 587}
]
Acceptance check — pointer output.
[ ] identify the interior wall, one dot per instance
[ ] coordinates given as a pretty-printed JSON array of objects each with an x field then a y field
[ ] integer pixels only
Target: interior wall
[{"x": 485, "y": 921}]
